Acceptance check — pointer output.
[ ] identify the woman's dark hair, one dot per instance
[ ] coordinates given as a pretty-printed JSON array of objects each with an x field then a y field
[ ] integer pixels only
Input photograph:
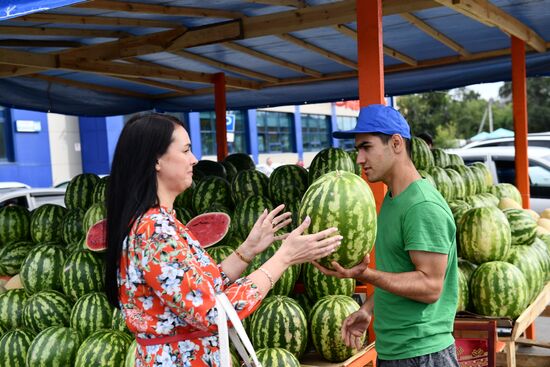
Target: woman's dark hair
[{"x": 132, "y": 186}]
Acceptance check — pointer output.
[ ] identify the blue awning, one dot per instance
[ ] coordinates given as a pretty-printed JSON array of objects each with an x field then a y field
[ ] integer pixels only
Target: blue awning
[
  {"x": 279, "y": 69},
  {"x": 17, "y": 8}
]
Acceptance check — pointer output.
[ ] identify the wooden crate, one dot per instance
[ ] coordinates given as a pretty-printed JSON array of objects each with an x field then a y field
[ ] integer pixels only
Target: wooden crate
[
  {"x": 537, "y": 308},
  {"x": 365, "y": 357}
]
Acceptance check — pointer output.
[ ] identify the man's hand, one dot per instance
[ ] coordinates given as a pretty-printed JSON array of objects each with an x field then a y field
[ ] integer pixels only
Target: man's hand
[
  {"x": 357, "y": 272},
  {"x": 354, "y": 328}
]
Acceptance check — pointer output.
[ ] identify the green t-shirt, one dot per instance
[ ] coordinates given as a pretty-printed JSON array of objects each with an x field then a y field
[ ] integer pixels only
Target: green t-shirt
[{"x": 417, "y": 219}]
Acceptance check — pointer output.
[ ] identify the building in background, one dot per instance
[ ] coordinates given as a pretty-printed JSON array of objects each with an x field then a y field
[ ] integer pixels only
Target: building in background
[{"x": 44, "y": 149}]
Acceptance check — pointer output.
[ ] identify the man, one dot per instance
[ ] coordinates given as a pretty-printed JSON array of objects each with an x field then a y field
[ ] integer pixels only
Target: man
[{"x": 416, "y": 263}]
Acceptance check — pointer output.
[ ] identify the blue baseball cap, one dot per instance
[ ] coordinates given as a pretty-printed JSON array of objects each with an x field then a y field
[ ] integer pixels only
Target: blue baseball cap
[{"x": 377, "y": 118}]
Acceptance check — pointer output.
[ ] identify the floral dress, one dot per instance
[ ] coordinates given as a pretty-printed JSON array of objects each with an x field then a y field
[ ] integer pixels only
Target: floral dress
[{"x": 167, "y": 284}]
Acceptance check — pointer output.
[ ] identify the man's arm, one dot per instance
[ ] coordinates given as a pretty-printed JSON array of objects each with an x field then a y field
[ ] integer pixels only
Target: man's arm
[{"x": 423, "y": 284}]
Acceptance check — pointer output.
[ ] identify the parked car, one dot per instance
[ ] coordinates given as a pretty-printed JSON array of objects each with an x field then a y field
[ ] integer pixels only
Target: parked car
[
  {"x": 500, "y": 161},
  {"x": 8, "y": 186},
  {"x": 533, "y": 140},
  {"x": 33, "y": 198}
]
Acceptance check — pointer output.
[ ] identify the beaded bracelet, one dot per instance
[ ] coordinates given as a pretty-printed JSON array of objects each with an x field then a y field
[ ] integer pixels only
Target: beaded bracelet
[
  {"x": 244, "y": 259},
  {"x": 268, "y": 275}
]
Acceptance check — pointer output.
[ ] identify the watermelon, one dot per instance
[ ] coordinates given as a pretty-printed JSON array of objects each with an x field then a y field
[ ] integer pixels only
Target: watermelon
[
  {"x": 185, "y": 199},
  {"x": 230, "y": 170},
  {"x": 234, "y": 241},
  {"x": 326, "y": 320},
  {"x": 130, "y": 359},
  {"x": 71, "y": 227},
  {"x": 46, "y": 223},
  {"x": 79, "y": 193},
  {"x": 305, "y": 302},
  {"x": 421, "y": 155},
  {"x": 467, "y": 268},
  {"x": 441, "y": 159},
  {"x": 118, "y": 322},
  {"x": 219, "y": 253},
  {"x": 240, "y": 161},
  {"x": 442, "y": 182},
  {"x": 277, "y": 357},
  {"x": 45, "y": 309},
  {"x": 317, "y": 285},
  {"x": 542, "y": 252},
  {"x": 458, "y": 208},
  {"x": 490, "y": 199},
  {"x": 209, "y": 228},
  {"x": 248, "y": 211},
  {"x": 288, "y": 279},
  {"x": 484, "y": 235},
  {"x": 14, "y": 346},
  {"x": 506, "y": 190},
  {"x": 99, "y": 194},
  {"x": 42, "y": 268},
  {"x": 83, "y": 273},
  {"x": 525, "y": 259},
  {"x": 93, "y": 215},
  {"x": 343, "y": 200},
  {"x": 522, "y": 225},
  {"x": 353, "y": 155},
  {"x": 105, "y": 348},
  {"x": 287, "y": 184},
  {"x": 15, "y": 222},
  {"x": 469, "y": 178},
  {"x": 209, "y": 191},
  {"x": 209, "y": 168},
  {"x": 424, "y": 174},
  {"x": 54, "y": 346},
  {"x": 481, "y": 180},
  {"x": 487, "y": 176},
  {"x": 463, "y": 291},
  {"x": 455, "y": 159},
  {"x": 184, "y": 215},
  {"x": 12, "y": 303},
  {"x": 13, "y": 255},
  {"x": 457, "y": 183},
  {"x": 96, "y": 238},
  {"x": 329, "y": 160},
  {"x": 279, "y": 322},
  {"x": 90, "y": 313},
  {"x": 248, "y": 183},
  {"x": 499, "y": 289}
]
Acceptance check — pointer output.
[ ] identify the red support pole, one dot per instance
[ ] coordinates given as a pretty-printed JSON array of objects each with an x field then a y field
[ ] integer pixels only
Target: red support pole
[
  {"x": 221, "y": 106},
  {"x": 371, "y": 85},
  {"x": 519, "y": 97}
]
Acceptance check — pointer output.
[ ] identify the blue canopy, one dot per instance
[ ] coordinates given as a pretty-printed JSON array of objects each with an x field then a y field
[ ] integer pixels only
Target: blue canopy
[
  {"x": 17, "y": 8},
  {"x": 271, "y": 55}
]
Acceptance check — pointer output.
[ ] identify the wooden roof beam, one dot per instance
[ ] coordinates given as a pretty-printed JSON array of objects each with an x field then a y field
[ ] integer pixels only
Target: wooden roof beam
[
  {"x": 157, "y": 84},
  {"x": 224, "y": 66},
  {"x": 342, "y": 28},
  {"x": 65, "y": 32},
  {"x": 294, "y": 3},
  {"x": 10, "y": 71},
  {"x": 272, "y": 59},
  {"x": 89, "y": 86},
  {"x": 38, "y": 43},
  {"x": 309, "y": 46},
  {"x": 99, "y": 20},
  {"x": 491, "y": 15},
  {"x": 132, "y": 7},
  {"x": 426, "y": 28}
]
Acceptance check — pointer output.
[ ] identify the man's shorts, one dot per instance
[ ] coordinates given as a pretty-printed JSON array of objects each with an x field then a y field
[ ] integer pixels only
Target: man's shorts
[{"x": 444, "y": 358}]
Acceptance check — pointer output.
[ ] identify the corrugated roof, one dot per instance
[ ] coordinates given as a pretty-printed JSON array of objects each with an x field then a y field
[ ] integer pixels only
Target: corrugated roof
[{"x": 61, "y": 60}]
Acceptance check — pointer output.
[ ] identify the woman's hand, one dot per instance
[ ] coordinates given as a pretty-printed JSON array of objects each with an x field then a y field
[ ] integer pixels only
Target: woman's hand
[
  {"x": 300, "y": 248},
  {"x": 262, "y": 234}
]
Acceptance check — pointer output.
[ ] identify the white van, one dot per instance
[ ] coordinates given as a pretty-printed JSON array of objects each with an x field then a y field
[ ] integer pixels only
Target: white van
[{"x": 501, "y": 163}]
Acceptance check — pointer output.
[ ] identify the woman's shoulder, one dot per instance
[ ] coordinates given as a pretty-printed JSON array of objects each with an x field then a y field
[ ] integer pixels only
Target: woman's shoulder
[{"x": 155, "y": 220}]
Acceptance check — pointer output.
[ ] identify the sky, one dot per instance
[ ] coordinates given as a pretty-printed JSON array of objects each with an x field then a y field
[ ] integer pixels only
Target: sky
[{"x": 487, "y": 90}]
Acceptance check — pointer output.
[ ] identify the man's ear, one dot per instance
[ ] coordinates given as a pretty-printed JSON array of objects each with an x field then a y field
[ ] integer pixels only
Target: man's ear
[{"x": 397, "y": 143}]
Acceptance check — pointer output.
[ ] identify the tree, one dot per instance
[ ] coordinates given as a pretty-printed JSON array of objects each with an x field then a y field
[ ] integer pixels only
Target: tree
[{"x": 538, "y": 102}]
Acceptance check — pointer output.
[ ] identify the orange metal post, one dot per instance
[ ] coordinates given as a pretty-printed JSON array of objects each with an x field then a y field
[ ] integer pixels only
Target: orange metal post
[
  {"x": 371, "y": 82},
  {"x": 519, "y": 96},
  {"x": 221, "y": 106}
]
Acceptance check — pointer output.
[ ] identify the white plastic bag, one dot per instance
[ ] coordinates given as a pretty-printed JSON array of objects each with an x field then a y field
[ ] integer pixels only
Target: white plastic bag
[{"x": 237, "y": 334}]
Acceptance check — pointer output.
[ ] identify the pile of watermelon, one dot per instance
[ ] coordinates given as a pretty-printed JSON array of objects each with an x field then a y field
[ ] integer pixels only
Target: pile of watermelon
[
  {"x": 53, "y": 311},
  {"x": 504, "y": 250}
]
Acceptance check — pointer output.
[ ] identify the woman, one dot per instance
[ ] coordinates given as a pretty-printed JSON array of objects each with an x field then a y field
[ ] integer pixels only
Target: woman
[{"x": 158, "y": 274}]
